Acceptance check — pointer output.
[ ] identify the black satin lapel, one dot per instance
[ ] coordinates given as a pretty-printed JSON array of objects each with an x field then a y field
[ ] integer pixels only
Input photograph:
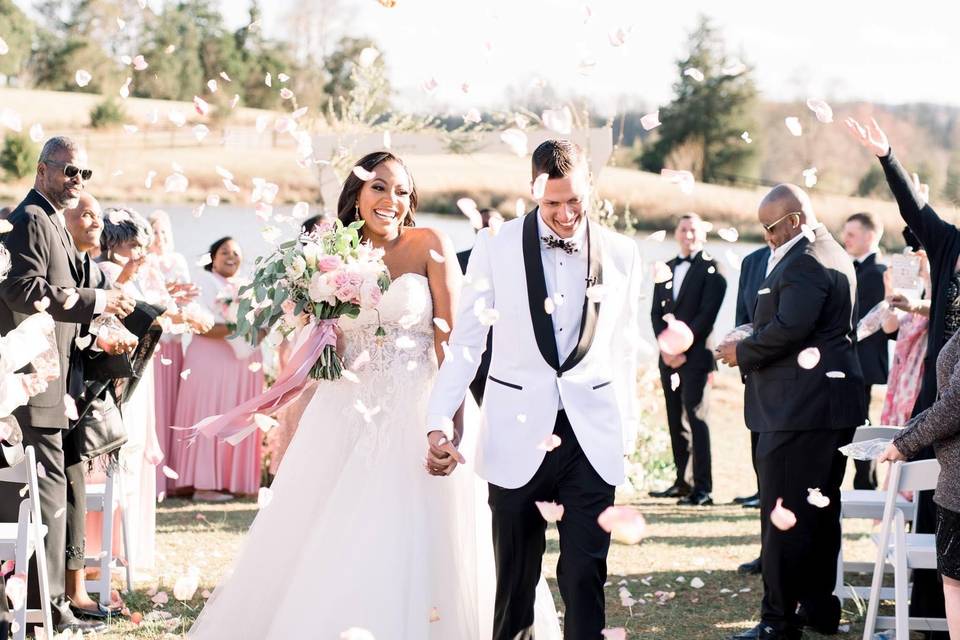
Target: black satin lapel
[
  {"x": 591, "y": 310},
  {"x": 76, "y": 266},
  {"x": 537, "y": 291}
]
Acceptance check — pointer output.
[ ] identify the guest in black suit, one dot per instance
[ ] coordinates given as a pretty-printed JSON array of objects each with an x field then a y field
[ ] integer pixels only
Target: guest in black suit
[
  {"x": 753, "y": 270},
  {"x": 46, "y": 266},
  {"x": 801, "y": 414},
  {"x": 861, "y": 238},
  {"x": 694, "y": 296},
  {"x": 463, "y": 257}
]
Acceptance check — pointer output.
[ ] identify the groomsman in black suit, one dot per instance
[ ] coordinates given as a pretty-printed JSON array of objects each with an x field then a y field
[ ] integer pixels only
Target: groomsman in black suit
[
  {"x": 46, "y": 269},
  {"x": 694, "y": 296},
  {"x": 861, "y": 238},
  {"x": 753, "y": 270},
  {"x": 802, "y": 414},
  {"x": 463, "y": 257}
]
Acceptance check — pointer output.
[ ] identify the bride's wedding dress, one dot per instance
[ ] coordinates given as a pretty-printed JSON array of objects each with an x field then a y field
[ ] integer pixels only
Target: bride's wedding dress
[{"x": 357, "y": 534}]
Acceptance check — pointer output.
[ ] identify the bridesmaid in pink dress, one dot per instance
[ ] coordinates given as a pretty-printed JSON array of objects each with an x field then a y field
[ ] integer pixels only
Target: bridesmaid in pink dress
[
  {"x": 168, "y": 360},
  {"x": 218, "y": 374}
]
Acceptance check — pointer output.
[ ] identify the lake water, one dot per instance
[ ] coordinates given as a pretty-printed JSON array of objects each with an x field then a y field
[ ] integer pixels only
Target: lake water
[{"x": 194, "y": 235}]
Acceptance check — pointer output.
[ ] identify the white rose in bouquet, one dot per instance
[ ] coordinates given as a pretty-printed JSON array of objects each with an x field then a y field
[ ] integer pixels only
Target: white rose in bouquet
[
  {"x": 297, "y": 268},
  {"x": 311, "y": 251},
  {"x": 322, "y": 289}
]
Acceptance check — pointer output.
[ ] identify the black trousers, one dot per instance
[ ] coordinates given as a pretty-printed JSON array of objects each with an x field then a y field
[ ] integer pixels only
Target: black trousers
[
  {"x": 686, "y": 417},
  {"x": 800, "y": 564},
  {"x": 519, "y": 540},
  {"x": 865, "y": 471},
  {"x": 48, "y": 446},
  {"x": 76, "y": 516}
]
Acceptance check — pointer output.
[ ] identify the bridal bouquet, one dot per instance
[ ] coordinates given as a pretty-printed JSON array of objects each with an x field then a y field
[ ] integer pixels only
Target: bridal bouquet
[{"x": 313, "y": 280}]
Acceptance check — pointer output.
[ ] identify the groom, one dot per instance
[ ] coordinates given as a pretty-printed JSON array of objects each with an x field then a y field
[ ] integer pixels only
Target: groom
[{"x": 563, "y": 292}]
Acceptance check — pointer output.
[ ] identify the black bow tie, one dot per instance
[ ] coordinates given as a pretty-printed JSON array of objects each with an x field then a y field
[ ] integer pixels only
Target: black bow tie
[
  {"x": 688, "y": 259},
  {"x": 553, "y": 242}
]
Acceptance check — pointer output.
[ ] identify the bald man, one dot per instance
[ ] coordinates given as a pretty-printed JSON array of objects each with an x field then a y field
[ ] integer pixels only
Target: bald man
[{"x": 801, "y": 413}]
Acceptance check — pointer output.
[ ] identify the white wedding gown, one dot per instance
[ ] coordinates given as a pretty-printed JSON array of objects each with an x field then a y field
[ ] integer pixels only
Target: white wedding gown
[{"x": 357, "y": 534}]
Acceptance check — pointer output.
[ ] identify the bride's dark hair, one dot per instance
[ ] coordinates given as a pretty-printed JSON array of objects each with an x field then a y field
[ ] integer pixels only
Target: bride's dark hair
[{"x": 346, "y": 205}]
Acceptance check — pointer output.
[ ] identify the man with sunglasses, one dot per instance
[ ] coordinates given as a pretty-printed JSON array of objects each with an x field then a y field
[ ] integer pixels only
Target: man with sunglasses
[
  {"x": 47, "y": 274},
  {"x": 804, "y": 397}
]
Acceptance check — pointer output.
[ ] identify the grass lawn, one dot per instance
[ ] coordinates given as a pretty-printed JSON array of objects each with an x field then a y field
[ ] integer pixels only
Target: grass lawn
[{"x": 684, "y": 543}]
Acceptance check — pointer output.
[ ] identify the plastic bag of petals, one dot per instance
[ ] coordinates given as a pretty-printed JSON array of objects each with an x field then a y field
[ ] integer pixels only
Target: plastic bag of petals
[{"x": 866, "y": 450}]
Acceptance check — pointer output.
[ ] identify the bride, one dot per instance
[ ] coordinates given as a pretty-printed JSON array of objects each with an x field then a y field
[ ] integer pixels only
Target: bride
[{"x": 357, "y": 535}]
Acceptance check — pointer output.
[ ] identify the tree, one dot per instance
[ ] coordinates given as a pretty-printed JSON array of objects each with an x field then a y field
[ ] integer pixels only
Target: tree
[
  {"x": 951, "y": 189},
  {"x": 17, "y": 31},
  {"x": 19, "y": 155},
  {"x": 873, "y": 183},
  {"x": 708, "y": 115}
]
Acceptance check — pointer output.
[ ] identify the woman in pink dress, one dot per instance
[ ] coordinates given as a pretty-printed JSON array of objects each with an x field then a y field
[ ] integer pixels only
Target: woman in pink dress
[
  {"x": 218, "y": 374},
  {"x": 168, "y": 361}
]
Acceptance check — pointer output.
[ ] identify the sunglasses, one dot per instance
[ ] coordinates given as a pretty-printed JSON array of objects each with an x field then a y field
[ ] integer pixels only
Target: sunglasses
[
  {"x": 769, "y": 227},
  {"x": 72, "y": 170}
]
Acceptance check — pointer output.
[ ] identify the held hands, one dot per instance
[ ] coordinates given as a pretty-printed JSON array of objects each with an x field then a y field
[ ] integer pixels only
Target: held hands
[
  {"x": 442, "y": 456},
  {"x": 870, "y": 136},
  {"x": 119, "y": 303}
]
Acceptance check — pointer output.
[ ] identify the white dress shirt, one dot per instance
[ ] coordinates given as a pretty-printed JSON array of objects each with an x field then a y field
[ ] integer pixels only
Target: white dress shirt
[
  {"x": 566, "y": 279},
  {"x": 679, "y": 273},
  {"x": 100, "y": 295},
  {"x": 777, "y": 254}
]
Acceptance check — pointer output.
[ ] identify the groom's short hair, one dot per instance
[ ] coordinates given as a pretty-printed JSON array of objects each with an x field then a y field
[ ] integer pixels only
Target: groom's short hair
[{"x": 557, "y": 158}]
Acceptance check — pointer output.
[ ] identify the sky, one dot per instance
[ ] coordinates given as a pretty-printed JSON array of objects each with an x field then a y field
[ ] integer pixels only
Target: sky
[{"x": 838, "y": 50}]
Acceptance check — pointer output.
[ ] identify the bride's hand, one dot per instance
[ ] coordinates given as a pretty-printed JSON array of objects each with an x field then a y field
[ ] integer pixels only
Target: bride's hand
[{"x": 442, "y": 456}]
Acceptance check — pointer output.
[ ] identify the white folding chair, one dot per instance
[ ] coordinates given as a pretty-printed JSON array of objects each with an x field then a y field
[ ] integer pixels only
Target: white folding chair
[
  {"x": 905, "y": 551},
  {"x": 105, "y": 498},
  {"x": 22, "y": 539},
  {"x": 866, "y": 504}
]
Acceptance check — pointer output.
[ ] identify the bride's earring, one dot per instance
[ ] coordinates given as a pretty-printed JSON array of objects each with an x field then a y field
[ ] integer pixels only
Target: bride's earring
[{"x": 356, "y": 212}]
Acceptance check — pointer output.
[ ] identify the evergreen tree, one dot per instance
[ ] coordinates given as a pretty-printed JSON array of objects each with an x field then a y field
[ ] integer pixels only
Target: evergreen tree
[
  {"x": 706, "y": 118},
  {"x": 17, "y": 31}
]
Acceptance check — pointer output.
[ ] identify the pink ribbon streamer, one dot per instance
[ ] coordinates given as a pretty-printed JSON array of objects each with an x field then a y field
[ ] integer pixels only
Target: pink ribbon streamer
[{"x": 288, "y": 387}]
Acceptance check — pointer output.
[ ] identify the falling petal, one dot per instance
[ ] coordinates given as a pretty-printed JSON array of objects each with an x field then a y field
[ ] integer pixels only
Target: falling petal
[
  {"x": 616, "y": 633},
  {"x": 282, "y": 77},
  {"x": 161, "y": 598},
  {"x": 733, "y": 68},
  {"x": 42, "y": 304},
  {"x": 558, "y": 120},
  {"x": 437, "y": 257},
  {"x": 213, "y": 200},
  {"x": 200, "y": 132},
  {"x": 696, "y": 583},
  {"x": 469, "y": 208},
  {"x": 657, "y": 236},
  {"x": 807, "y": 232},
  {"x": 72, "y": 298},
  {"x": 177, "y": 117},
  {"x": 300, "y": 210},
  {"x": 442, "y": 325},
  {"x": 434, "y": 614},
  {"x": 175, "y": 183},
  {"x": 429, "y": 86},
  {"x": 837, "y": 375},
  {"x": 223, "y": 74},
  {"x": 730, "y": 235},
  {"x": 363, "y": 174},
  {"x": 696, "y": 74},
  {"x": 488, "y": 317},
  {"x": 662, "y": 272},
  {"x": 682, "y": 178},
  {"x": 550, "y": 443},
  {"x": 745, "y": 136},
  {"x": 810, "y": 177},
  {"x": 387, "y": 140},
  {"x": 781, "y": 517},
  {"x": 516, "y": 140},
  {"x": 625, "y": 524},
  {"x": 286, "y": 94},
  {"x": 793, "y": 125},
  {"x": 817, "y": 499},
  {"x": 165, "y": 361},
  {"x": 186, "y": 372},
  {"x": 674, "y": 381},
  {"x": 676, "y": 338},
  {"x": 4, "y": 47},
  {"x": 264, "y": 422},
  {"x": 36, "y": 132},
  {"x": 821, "y": 109},
  {"x": 170, "y": 473},
  {"x": 140, "y": 63},
  {"x": 185, "y": 587},
  {"x": 551, "y": 511},
  {"x": 70, "y": 407},
  {"x": 596, "y": 293},
  {"x": 201, "y": 105},
  {"x": 520, "y": 208},
  {"x": 650, "y": 121},
  {"x": 472, "y": 115},
  {"x": 618, "y": 36},
  {"x": 212, "y": 86},
  {"x": 809, "y": 358},
  {"x": 268, "y": 79},
  {"x": 549, "y": 306},
  {"x": 358, "y": 633},
  {"x": 539, "y": 186}
]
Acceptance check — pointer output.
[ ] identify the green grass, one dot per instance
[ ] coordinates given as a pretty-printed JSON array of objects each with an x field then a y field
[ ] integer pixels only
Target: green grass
[{"x": 683, "y": 542}]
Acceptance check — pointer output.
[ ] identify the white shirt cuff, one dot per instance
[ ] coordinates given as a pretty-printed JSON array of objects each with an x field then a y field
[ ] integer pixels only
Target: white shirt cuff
[
  {"x": 100, "y": 303},
  {"x": 437, "y": 422}
]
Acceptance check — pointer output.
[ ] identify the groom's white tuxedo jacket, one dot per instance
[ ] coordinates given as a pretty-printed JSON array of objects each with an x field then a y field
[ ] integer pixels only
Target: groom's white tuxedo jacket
[{"x": 527, "y": 381}]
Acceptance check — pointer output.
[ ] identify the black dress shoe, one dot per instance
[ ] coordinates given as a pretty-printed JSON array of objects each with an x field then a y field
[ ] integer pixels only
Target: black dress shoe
[
  {"x": 824, "y": 618},
  {"x": 753, "y": 503},
  {"x": 745, "y": 499},
  {"x": 697, "y": 499},
  {"x": 76, "y": 624},
  {"x": 676, "y": 490},
  {"x": 766, "y": 632},
  {"x": 751, "y": 568}
]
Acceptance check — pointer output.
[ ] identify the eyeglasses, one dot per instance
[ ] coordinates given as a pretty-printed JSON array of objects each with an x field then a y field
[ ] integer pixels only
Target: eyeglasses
[
  {"x": 71, "y": 170},
  {"x": 769, "y": 227}
]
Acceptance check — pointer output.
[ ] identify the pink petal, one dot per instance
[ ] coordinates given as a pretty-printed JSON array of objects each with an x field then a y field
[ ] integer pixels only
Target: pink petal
[
  {"x": 781, "y": 517},
  {"x": 83, "y": 77},
  {"x": 793, "y": 125},
  {"x": 516, "y": 140},
  {"x": 186, "y": 372},
  {"x": 558, "y": 120},
  {"x": 618, "y": 633},
  {"x": 140, "y": 63},
  {"x": 682, "y": 178},
  {"x": 434, "y": 614},
  {"x": 817, "y": 499},
  {"x": 539, "y": 186},
  {"x": 551, "y": 511},
  {"x": 550, "y": 443},
  {"x": 70, "y": 407},
  {"x": 201, "y": 105},
  {"x": 650, "y": 121},
  {"x": 821, "y": 109},
  {"x": 809, "y": 358},
  {"x": 363, "y": 174},
  {"x": 170, "y": 473},
  {"x": 696, "y": 74},
  {"x": 625, "y": 524},
  {"x": 676, "y": 338}
]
